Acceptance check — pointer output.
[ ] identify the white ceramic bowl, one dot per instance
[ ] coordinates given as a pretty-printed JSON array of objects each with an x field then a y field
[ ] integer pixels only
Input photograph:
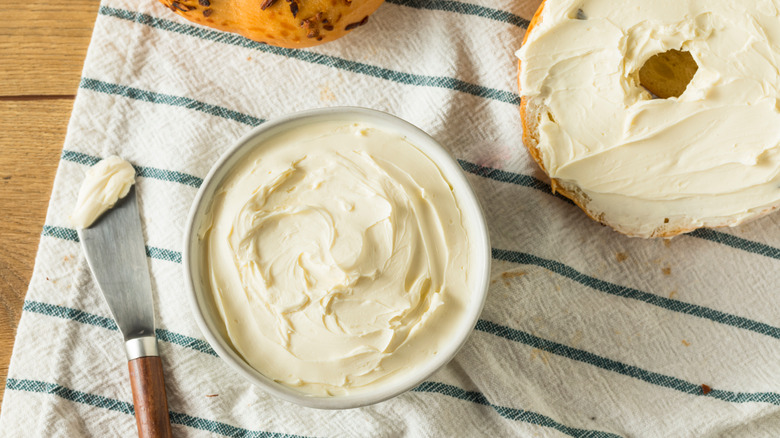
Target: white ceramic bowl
[{"x": 204, "y": 309}]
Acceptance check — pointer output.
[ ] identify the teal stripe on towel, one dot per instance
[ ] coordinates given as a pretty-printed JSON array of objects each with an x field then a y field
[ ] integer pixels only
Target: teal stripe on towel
[
  {"x": 622, "y": 368},
  {"x": 99, "y": 401},
  {"x": 737, "y": 242},
  {"x": 316, "y": 58},
  {"x": 635, "y": 294},
  {"x": 511, "y": 178},
  {"x": 69, "y": 394},
  {"x": 60, "y": 233},
  {"x": 508, "y": 413},
  {"x": 465, "y": 9},
  {"x": 167, "y": 99},
  {"x": 141, "y": 171},
  {"x": 163, "y": 254},
  {"x": 109, "y": 324},
  {"x": 78, "y": 157}
]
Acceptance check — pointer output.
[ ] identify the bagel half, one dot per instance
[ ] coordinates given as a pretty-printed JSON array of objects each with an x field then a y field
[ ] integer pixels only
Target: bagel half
[
  {"x": 282, "y": 23},
  {"x": 533, "y": 110}
]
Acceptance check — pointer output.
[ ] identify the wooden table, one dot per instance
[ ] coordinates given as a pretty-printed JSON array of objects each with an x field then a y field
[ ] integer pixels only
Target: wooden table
[{"x": 42, "y": 49}]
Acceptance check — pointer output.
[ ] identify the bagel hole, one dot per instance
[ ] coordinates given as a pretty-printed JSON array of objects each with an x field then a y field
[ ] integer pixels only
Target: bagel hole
[
  {"x": 577, "y": 14},
  {"x": 668, "y": 74}
]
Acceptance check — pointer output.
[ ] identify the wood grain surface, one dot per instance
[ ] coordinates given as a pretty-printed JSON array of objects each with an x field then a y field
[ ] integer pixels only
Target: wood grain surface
[{"x": 42, "y": 50}]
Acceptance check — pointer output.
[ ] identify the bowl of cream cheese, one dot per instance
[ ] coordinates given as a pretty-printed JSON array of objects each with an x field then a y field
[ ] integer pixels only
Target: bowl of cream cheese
[{"x": 336, "y": 257}]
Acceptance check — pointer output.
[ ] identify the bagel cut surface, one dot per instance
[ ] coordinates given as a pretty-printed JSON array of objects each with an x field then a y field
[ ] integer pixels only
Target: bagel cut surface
[
  {"x": 707, "y": 155},
  {"x": 282, "y": 23}
]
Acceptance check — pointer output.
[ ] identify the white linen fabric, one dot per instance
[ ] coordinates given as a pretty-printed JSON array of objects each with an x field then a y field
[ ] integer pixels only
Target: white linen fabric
[{"x": 585, "y": 332}]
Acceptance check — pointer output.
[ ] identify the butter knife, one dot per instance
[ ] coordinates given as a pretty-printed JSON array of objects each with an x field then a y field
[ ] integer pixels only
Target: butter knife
[{"x": 115, "y": 251}]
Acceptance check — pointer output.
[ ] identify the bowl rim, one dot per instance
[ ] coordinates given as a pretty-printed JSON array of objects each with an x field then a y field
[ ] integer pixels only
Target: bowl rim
[{"x": 476, "y": 230}]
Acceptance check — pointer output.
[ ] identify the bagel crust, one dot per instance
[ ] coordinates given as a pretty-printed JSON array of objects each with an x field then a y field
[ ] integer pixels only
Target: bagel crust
[
  {"x": 535, "y": 112},
  {"x": 282, "y": 23}
]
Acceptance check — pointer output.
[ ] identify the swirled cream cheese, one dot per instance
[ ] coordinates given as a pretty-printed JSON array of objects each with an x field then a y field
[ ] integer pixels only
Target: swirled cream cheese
[
  {"x": 711, "y": 156},
  {"x": 337, "y": 257},
  {"x": 106, "y": 182}
]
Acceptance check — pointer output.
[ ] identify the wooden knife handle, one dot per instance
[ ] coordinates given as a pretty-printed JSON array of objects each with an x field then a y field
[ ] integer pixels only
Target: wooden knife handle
[{"x": 151, "y": 404}]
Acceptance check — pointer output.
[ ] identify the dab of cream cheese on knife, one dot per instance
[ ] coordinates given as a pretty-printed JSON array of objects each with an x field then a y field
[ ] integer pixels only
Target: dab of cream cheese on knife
[{"x": 106, "y": 183}]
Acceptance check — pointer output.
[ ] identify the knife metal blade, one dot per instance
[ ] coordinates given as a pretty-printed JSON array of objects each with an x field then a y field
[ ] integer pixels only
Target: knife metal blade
[{"x": 115, "y": 252}]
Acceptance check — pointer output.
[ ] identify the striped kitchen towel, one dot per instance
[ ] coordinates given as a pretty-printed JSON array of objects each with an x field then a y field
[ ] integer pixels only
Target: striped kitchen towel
[{"x": 585, "y": 332}]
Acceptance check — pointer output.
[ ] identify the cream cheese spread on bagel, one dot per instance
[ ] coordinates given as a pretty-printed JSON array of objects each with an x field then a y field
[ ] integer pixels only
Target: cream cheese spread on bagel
[
  {"x": 656, "y": 167},
  {"x": 337, "y": 257}
]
